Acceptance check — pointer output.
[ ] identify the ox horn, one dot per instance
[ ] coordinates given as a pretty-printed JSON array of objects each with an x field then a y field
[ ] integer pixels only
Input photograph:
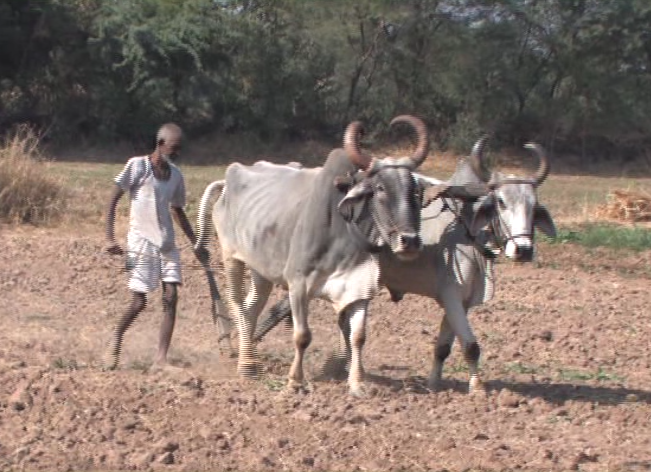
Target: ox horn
[
  {"x": 543, "y": 168},
  {"x": 351, "y": 145},
  {"x": 422, "y": 148},
  {"x": 476, "y": 159}
]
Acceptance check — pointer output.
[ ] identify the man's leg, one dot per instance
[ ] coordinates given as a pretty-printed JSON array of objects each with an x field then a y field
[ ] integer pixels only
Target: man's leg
[
  {"x": 171, "y": 279},
  {"x": 143, "y": 278},
  {"x": 138, "y": 303},
  {"x": 170, "y": 298}
]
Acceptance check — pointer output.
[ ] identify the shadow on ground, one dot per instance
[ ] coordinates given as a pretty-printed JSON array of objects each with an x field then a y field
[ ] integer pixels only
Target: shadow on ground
[{"x": 556, "y": 393}]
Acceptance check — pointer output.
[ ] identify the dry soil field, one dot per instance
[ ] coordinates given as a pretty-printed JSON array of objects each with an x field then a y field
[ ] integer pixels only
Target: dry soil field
[{"x": 566, "y": 356}]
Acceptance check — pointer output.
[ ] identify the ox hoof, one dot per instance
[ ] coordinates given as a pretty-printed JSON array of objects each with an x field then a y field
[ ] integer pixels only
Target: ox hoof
[
  {"x": 294, "y": 387},
  {"x": 477, "y": 388},
  {"x": 435, "y": 385},
  {"x": 249, "y": 371},
  {"x": 109, "y": 364},
  {"x": 359, "y": 391}
]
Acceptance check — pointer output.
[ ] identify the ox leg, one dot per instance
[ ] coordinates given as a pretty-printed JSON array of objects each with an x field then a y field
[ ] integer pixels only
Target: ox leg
[
  {"x": 441, "y": 353},
  {"x": 357, "y": 338},
  {"x": 457, "y": 316},
  {"x": 234, "y": 272},
  {"x": 472, "y": 353},
  {"x": 302, "y": 335},
  {"x": 256, "y": 299},
  {"x": 335, "y": 365}
]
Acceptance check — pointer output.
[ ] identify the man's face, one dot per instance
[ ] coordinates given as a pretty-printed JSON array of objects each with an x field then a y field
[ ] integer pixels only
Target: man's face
[{"x": 170, "y": 149}]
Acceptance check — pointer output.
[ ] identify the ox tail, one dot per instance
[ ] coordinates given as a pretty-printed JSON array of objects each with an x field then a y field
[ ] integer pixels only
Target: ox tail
[
  {"x": 218, "y": 309},
  {"x": 203, "y": 216}
]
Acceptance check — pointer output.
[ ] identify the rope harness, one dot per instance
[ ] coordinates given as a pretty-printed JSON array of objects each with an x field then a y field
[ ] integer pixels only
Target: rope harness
[
  {"x": 501, "y": 231},
  {"x": 127, "y": 266},
  {"x": 452, "y": 206}
]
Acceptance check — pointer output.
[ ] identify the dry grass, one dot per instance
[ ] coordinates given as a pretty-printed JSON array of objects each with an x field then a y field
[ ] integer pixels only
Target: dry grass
[
  {"x": 28, "y": 193},
  {"x": 626, "y": 205}
]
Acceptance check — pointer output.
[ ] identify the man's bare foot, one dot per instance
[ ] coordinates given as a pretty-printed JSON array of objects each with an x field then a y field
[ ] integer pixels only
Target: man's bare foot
[{"x": 163, "y": 365}]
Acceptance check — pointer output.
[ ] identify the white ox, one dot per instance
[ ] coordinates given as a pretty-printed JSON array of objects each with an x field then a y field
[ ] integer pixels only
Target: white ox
[
  {"x": 317, "y": 233},
  {"x": 455, "y": 267}
]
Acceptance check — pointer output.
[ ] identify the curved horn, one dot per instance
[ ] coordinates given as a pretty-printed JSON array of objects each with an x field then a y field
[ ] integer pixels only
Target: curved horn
[
  {"x": 476, "y": 159},
  {"x": 351, "y": 145},
  {"x": 422, "y": 149},
  {"x": 543, "y": 168}
]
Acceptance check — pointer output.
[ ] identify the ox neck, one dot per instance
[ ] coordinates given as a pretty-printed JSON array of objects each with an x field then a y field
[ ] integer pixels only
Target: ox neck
[
  {"x": 363, "y": 239},
  {"x": 463, "y": 212}
]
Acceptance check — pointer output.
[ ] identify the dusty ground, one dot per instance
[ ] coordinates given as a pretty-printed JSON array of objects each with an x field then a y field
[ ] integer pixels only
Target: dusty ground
[{"x": 566, "y": 358}]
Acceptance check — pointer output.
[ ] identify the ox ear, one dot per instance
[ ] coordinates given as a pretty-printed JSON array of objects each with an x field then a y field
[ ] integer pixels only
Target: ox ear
[
  {"x": 483, "y": 215},
  {"x": 351, "y": 205},
  {"x": 543, "y": 221},
  {"x": 428, "y": 190}
]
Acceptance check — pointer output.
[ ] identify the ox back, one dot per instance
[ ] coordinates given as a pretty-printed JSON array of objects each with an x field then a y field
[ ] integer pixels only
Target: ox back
[{"x": 291, "y": 220}]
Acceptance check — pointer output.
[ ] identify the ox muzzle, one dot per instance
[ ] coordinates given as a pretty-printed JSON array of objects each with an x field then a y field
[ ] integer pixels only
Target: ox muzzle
[
  {"x": 519, "y": 248},
  {"x": 407, "y": 246}
]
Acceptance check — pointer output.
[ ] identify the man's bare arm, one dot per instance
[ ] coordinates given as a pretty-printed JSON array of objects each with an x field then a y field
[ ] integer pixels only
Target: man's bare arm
[
  {"x": 113, "y": 248},
  {"x": 182, "y": 219}
]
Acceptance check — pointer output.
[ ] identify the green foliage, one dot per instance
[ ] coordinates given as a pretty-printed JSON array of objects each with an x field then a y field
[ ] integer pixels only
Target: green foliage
[
  {"x": 520, "y": 368},
  {"x": 573, "y": 74},
  {"x": 603, "y": 235},
  {"x": 581, "y": 375}
]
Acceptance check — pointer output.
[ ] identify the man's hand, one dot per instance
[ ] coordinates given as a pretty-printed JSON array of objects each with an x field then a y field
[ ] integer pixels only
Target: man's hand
[
  {"x": 114, "y": 249},
  {"x": 202, "y": 254}
]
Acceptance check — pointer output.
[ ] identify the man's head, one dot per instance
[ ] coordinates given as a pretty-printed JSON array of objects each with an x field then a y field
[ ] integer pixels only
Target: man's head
[{"x": 168, "y": 141}]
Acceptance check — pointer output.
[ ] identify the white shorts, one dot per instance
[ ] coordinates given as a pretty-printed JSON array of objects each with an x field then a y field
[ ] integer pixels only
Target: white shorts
[{"x": 147, "y": 266}]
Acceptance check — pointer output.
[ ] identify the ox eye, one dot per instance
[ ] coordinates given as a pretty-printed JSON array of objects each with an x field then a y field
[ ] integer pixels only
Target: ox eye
[
  {"x": 501, "y": 203},
  {"x": 379, "y": 188}
]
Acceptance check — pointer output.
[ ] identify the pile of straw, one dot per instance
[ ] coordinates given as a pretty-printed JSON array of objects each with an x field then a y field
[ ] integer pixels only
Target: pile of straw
[{"x": 624, "y": 205}]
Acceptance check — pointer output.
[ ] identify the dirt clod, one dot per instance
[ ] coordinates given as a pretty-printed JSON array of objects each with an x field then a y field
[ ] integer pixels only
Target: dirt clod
[
  {"x": 144, "y": 459},
  {"x": 165, "y": 445},
  {"x": 508, "y": 399},
  {"x": 166, "y": 458},
  {"x": 546, "y": 335}
]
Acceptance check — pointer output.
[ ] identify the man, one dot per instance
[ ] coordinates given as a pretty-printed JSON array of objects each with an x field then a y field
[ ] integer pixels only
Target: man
[{"x": 155, "y": 184}]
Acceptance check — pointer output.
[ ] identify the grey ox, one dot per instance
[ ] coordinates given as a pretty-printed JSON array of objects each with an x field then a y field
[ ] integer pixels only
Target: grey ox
[
  {"x": 455, "y": 266},
  {"x": 317, "y": 233}
]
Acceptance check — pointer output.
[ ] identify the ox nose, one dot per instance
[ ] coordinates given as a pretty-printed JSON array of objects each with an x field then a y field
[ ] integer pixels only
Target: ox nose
[{"x": 410, "y": 242}]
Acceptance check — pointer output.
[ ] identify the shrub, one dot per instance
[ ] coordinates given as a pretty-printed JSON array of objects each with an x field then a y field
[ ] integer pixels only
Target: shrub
[{"x": 28, "y": 194}]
